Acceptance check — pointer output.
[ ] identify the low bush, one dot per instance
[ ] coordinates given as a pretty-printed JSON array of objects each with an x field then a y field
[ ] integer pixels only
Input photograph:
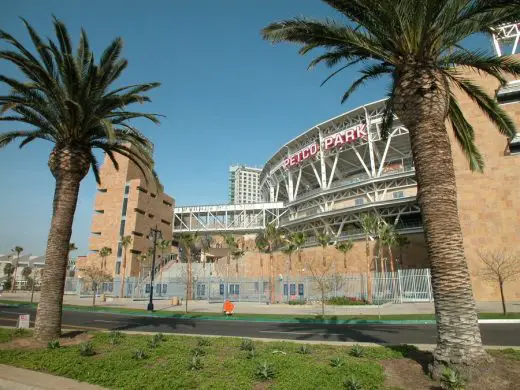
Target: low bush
[
  {"x": 304, "y": 349},
  {"x": 53, "y": 344},
  {"x": 357, "y": 351},
  {"x": 452, "y": 380},
  {"x": 198, "y": 352},
  {"x": 195, "y": 364},
  {"x": 86, "y": 349},
  {"x": 336, "y": 362},
  {"x": 139, "y": 354},
  {"x": 346, "y": 301},
  {"x": 203, "y": 342},
  {"x": 247, "y": 345},
  {"x": 265, "y": 371},
  {"x": 115, "y": 337},
  {"x": 297, "y": 302},
  {"x": 352, "y": 383}
]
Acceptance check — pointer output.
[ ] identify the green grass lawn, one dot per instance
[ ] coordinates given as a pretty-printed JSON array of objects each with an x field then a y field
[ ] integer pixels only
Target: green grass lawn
[
  {"x": 224, "y": 364},
  {"x": 252, "y": 316}
]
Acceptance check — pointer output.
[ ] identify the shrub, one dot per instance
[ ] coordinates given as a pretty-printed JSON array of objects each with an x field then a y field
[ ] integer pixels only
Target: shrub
[
  {"x": 297, "y": 302},
  {"x": 159, "y": 337},
  {"x": 203, "y": 342},
  {"x": 247, "y": 345},
  {"x": 251, "y": 354},
  {"x": 265, "y": 371},
  {"x": 115, "y": 337},
  {"x": 357, "y": 351},
  {"x": 304, "y": 349},
  {"x": 198, "y": 352},
  {"x": 352, "y": 383},
  {"x": 195, "y": 364},
  {"x": 452, "y": 380},
  {"x": 19, "y": 332},
  {"x": 86, "y": 349},
  {"x": 53, "y": 344},
  {"x": 153, "y": 343},
  {"x": 336, "y": 362},
  {"x": 346, "y": 301},
  {"x": 139, "y": 354}
]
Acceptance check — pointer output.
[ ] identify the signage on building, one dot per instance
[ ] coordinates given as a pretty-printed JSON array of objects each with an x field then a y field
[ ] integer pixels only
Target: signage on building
[
  {"x": 392, "y": 167},
  {"x": 332, "y": 141},
  {"x": 23, "y": 321}
]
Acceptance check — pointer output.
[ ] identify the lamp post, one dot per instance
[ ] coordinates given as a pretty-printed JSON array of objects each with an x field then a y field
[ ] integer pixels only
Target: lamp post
[{"x": 155, "y": 234}]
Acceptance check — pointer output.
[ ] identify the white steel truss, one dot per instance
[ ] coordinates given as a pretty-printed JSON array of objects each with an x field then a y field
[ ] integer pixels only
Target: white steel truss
[
  {"x": 252, "y": 217},
  {"x": 504, "y": 35}
]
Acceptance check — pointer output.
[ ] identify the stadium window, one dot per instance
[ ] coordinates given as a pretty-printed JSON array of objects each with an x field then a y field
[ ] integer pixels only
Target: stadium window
[
  {"x": 359, "y": 201},
  {"x": 118, "y": 268},
  {"x": 398, "y": 194},
  {"x": 119, "y": 249},
  {"x": 125, "y": 206},
  {"x": 122, "y": 228}
]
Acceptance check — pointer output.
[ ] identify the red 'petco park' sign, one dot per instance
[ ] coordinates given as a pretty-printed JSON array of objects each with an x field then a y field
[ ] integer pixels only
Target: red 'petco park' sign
[{"x": 332, "y": 141}]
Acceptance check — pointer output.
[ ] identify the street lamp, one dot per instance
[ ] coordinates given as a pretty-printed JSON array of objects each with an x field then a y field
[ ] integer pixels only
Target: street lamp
[{"x": 155, "y": 234}]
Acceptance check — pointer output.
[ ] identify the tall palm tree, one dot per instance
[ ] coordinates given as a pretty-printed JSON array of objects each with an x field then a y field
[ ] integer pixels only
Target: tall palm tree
[
  {"x": 104, "y": 253},
  {"x": 344, "y": 247},
  {"x": 68, "y": 99},
  {"x": 126, "y": 241},
  {"x": 324, "y": 240},
  {"x": 188, "y": 242},
  {"x": 17, "y": 250},
  {"x": 418, "y": 44},
  {"x": 273, "y": 237},
  {"x": 298, "y": 239}
]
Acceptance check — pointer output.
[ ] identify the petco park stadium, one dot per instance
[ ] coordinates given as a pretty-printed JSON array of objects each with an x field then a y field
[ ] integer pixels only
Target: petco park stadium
[{"x": 323, "y": 180}]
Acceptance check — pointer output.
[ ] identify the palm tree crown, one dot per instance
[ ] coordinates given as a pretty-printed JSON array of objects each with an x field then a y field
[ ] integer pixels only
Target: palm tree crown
[
  {"x": 68, "y": 100},
  {"x": 391, "y": 36}
]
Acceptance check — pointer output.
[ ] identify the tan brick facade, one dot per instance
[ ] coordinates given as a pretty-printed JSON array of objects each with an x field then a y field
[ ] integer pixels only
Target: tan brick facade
[{"x": 146, "y": 208}]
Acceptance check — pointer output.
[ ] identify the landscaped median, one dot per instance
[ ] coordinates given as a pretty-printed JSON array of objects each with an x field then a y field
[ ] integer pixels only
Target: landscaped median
[
  {"x": 288, "y": 318},
  {"x": 123, "y": 361}
]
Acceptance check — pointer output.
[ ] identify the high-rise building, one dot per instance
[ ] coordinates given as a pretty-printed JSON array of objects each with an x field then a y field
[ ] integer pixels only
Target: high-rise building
[
  {"x": 126, "y": 205},
  {"x": 244, "y": 184}
]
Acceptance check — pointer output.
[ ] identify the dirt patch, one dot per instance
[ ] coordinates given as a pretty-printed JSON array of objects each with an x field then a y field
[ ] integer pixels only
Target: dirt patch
[
  {"x": 261, "y": 385},
  {"x": 504, "y": 374},
  {"x": 407, "y": 374},
  {"x": 72, "y": 338}
]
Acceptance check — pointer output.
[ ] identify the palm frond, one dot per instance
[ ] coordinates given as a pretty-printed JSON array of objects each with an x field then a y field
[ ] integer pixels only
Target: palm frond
[{"x": 369, "y": 72}]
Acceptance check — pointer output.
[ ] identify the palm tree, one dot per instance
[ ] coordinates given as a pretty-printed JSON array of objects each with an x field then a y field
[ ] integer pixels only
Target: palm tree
[
  {"x": 389, "y": 238},
  {"x": 324, "y": 240},
  {"x": 69, "y": 100},
  {"x": 289, "y": 249},
  {"x": 17, "y": 250},
  {"x": 188, "y": 242},
  {"x": 163, "y": 246},
  {"x": 8, "y": 272},
  {"x": 273, "y": 237},
  {"x": 344, "y": 247},
  {"x": 298, "y": 239},
  {"x": 262, "y": 246},
  {"x": 417, "y": 44},
  {"x": 369, "y": 223},
  {"x": 26, "y": 273},
  {"x": 104, "y": 253},
  {"x": 126, "y": 241}
]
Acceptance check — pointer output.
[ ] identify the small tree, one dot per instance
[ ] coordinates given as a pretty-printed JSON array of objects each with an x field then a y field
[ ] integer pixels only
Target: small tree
[
  {"x": 321, "y": 278},
  {"x": 126, "y": 241},
  {"x": 187, "y": 241},
  {"x": 8, "y": 272},
  {"x": 95, "y": 275},
  {"x": 388, "y": 236},
  {"x": 26, "y": 273},
  {"x": 236, "y": 254},
  {"x": 17, "y": 250},
  {"x": 104, "y": 253},
  {"x": 273, "y": 237},
  {"x": 500, "y": 266},
  {"x": 344, "y": 247}
]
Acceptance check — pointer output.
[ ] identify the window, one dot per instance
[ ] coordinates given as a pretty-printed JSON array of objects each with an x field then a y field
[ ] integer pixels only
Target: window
[
  {"x": 164, "y": 288},
  {"x": 119, "y": 249},
  {"x": 100, "y": 211},
  {"x": 142, "y": 189},
  {"x": 151, "y": 215},
  {"x": 139, "y": 211},
  {"x": 118, "y": 268},
  {"x": 135, "y": 251},
  {"x": 127, "y": 189},
  {"x": 398, "y": 194},
  {"x": 137, "y": 234},
  {"x": 221, "y": 288},
  {"x": 234, "y": 289},
  {"x": 285, "y": 289},
  {"x": 300, "y": 289},
  {"x": 359, "y": 202},
  {"x": 293, "y": 289},
  {"x": 153, "y": 195},
  {"x": 167, "y": 203},
  {"x": 122, "y": 228},
  {"x": 165, "y": 222},
  {"x": 102, "y": 190},
  {"x": 147, "y": 289},
  {"x": 125, "y": 206}
]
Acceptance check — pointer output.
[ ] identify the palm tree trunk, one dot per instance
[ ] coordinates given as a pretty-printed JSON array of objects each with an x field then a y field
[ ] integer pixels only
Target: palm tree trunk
[
  {"x": 504, "y": 310},
  {"x": 369, "y": 276},
  {"x": 123, "y": 276},
  {"x": 271, "y": 277},
  {"x": 48, "y": 316},
  {"x": 421, "y": 103},
  {"x": 391, "y": 255},
  {"x": 13, "y": 279}
]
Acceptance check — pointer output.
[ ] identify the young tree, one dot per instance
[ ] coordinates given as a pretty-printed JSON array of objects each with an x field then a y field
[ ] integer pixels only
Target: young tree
[
  {"x": 95, "y": 276},
  {"x": 26, "y": 273},
  {"x": 104, "y": 253},
  {"x": 126, "y": 241},
  {"x": 418, "y": 44},
  {"x": 388, "y": 237},
  {"x": 500, "y": 266},
  {"x": 69, "y": 99},
  {"x": 322, "y": 280},
  {"x": 236, "y": 255},
  {"x": 17, "y": 250},
  {"x": 187, "y": 241},
  {"x": 272, "y": 236},
  {"x": 344, "y": 247},
  {"x": 369, "y": 223},
  {"x": 324, "y": 240}
]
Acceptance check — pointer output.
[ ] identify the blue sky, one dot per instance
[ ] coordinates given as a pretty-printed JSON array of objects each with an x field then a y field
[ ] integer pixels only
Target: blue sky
[{"x": 228, "y": 96}]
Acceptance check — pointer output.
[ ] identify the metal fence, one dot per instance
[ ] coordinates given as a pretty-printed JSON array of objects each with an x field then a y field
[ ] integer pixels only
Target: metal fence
[{"x": 409, "y": 285}]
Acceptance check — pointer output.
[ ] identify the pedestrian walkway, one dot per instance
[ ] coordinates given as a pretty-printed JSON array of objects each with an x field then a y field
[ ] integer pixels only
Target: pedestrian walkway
[
  {"x": 13, "y": 378},
  {"x": 262, "y": 308}
]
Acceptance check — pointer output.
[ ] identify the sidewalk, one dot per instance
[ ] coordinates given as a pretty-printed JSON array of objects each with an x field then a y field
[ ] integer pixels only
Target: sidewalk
[
  {"x": 262, "y": 308},
  {"x": 13, "y": 378}
]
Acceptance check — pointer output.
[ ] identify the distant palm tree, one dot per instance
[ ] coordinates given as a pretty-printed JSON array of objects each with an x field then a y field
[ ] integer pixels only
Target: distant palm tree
[
  {"x": 26, "y": 273},
  {"x": 324, "y": 240},
  {"x": 17, "y": 250},
  {"x": 298, "y": 239},
  {"x": 418, "y": 44},
  {"x": 70, "y": 100},
  {"x": 8, "y": 272},
  {"x": 272, "y": 236},
  {"x": 104, "y": 253},
  {"x": 289, "y": 250},
  {"x": 126, "y": 241},
  {"x": 344, "y": 247}
]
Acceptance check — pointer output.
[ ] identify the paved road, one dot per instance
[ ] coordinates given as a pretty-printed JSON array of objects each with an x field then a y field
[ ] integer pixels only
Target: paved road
[{"x": 492, "y": 334}]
